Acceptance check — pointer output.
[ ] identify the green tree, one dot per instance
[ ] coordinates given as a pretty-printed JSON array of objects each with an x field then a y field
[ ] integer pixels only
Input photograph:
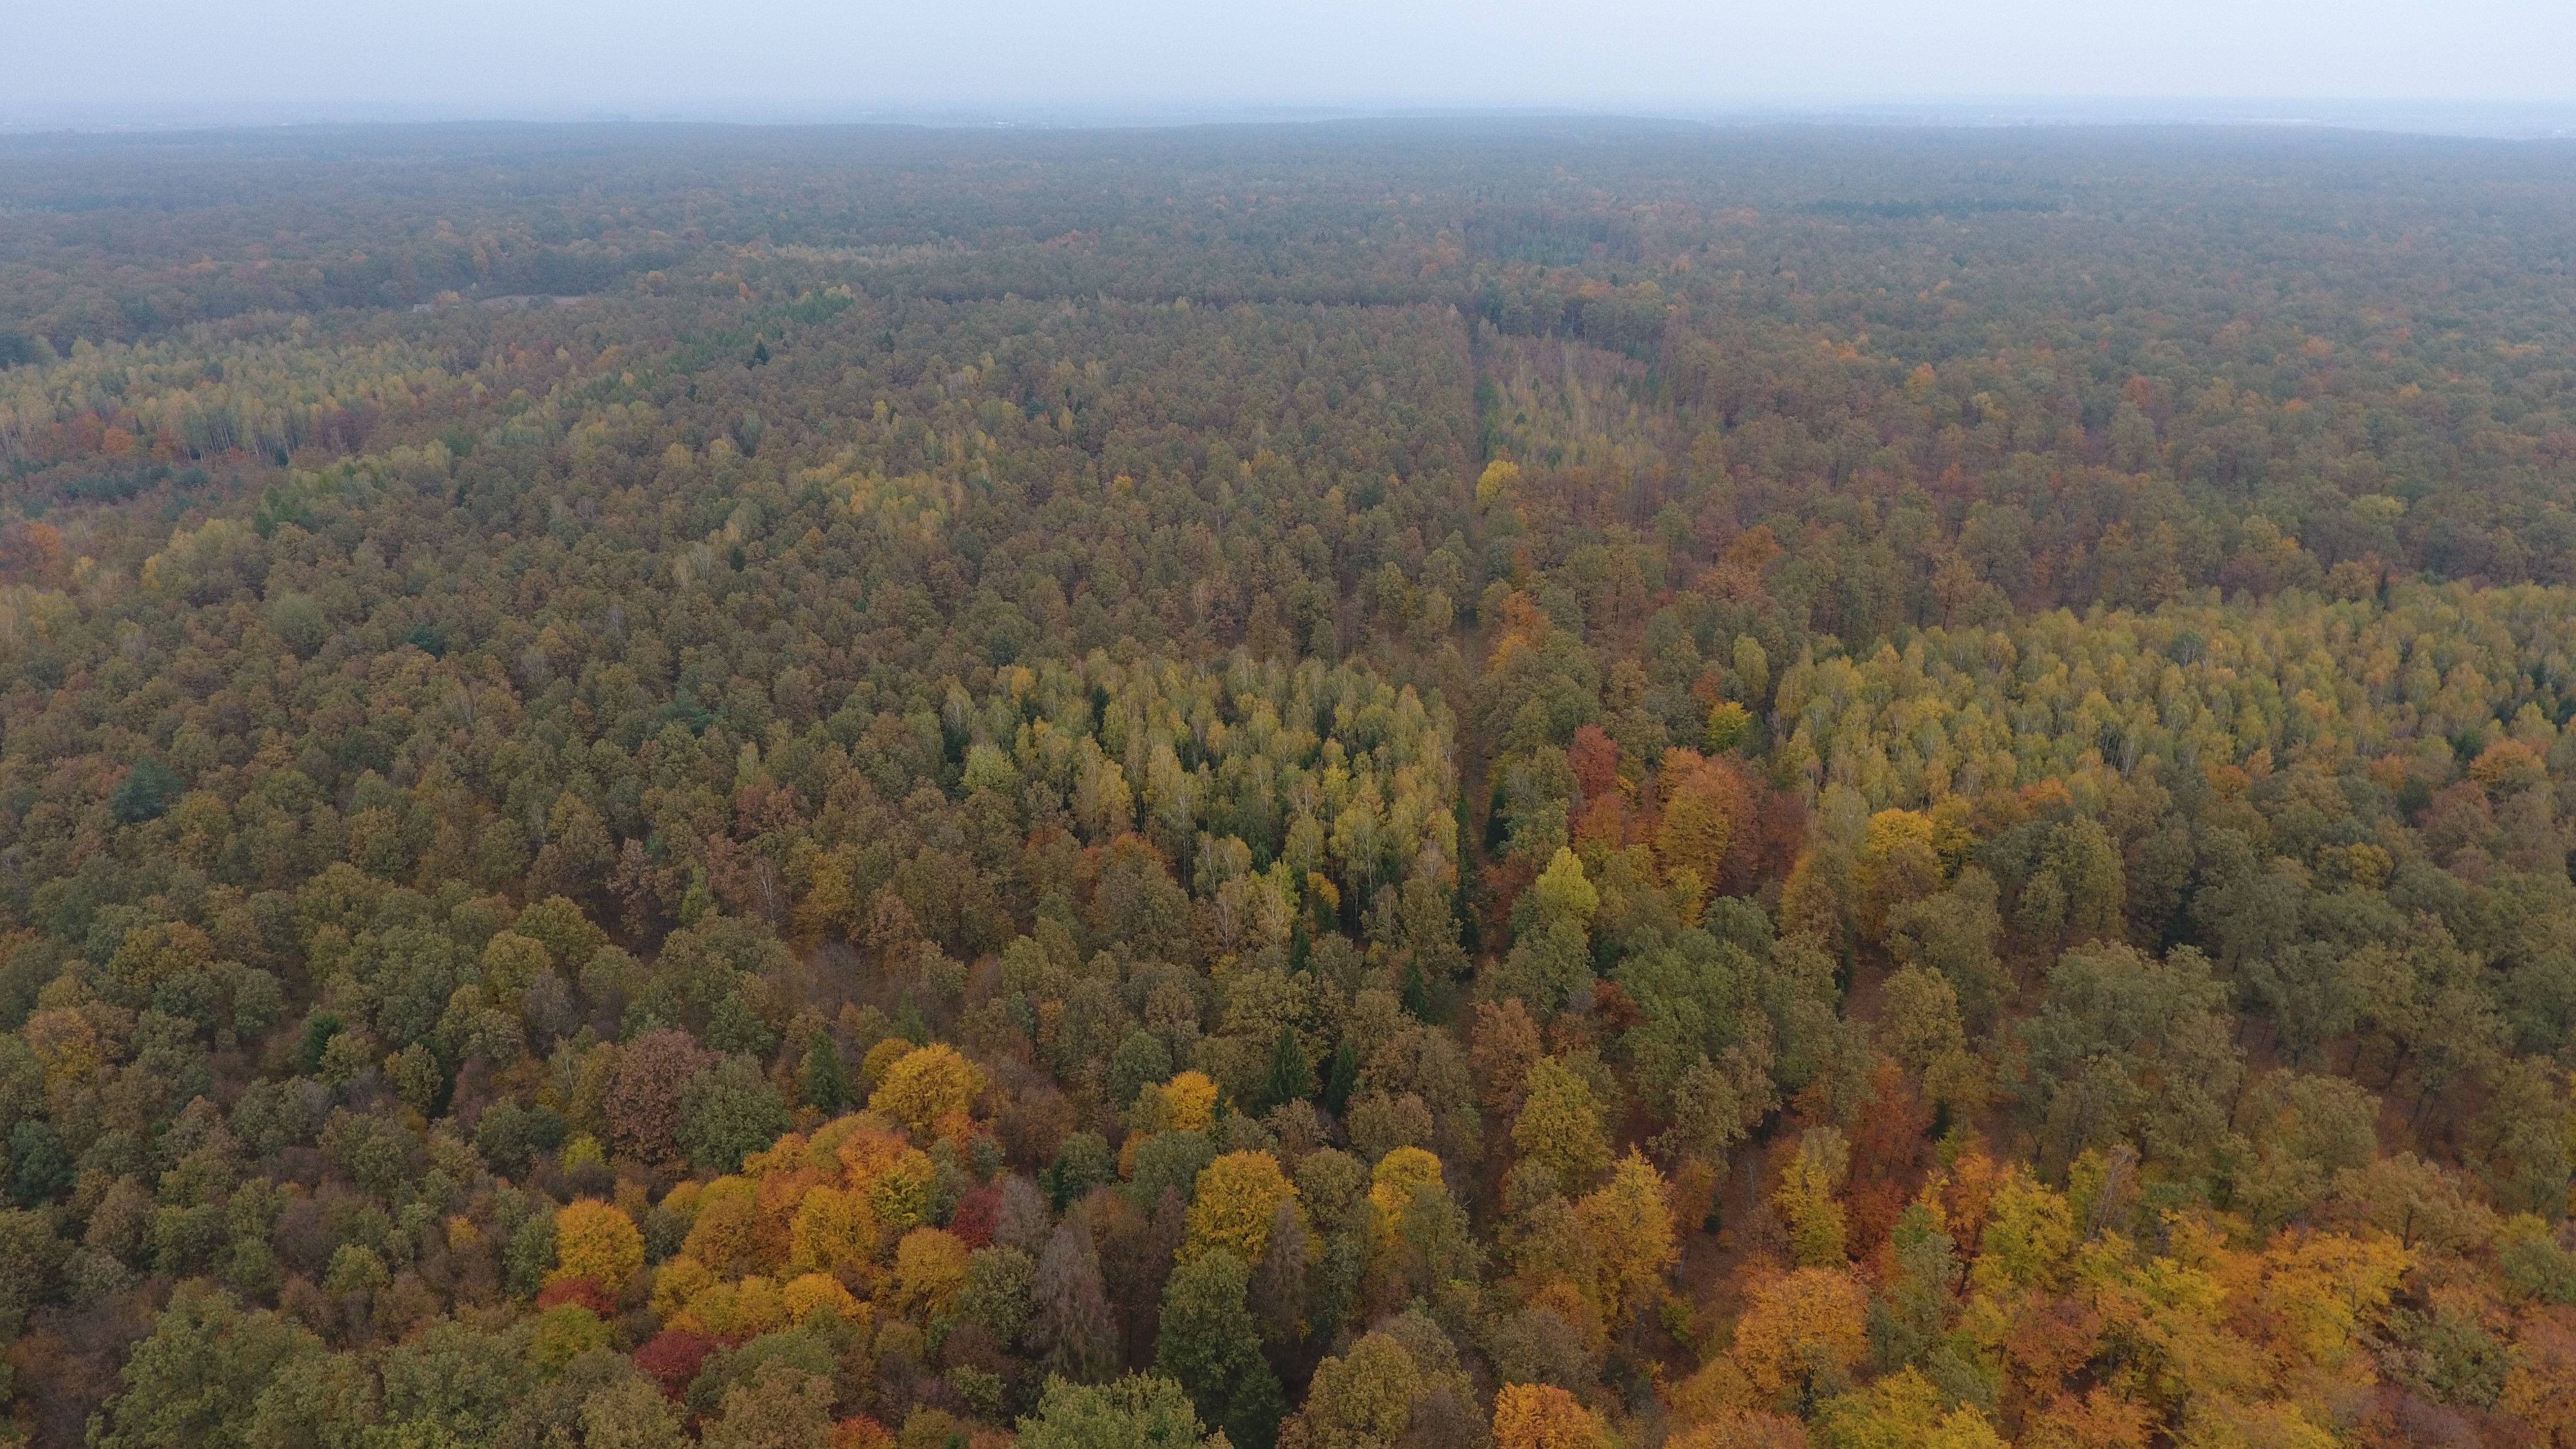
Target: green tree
[
  {"x": 1139, "y": 1411},
  {"x": 2129, "y": 1047},
  {"x": 456, "y": 1381},
  {"x": 1211, "y": 1346},
  {"x": 197, "y": 1379},
  {"x": 630, "y": 1413},
  {"x": 728, "y": 1112},
  {"x": 1291, "y": 1076},
  {"x": 823, "y": 1081},
  {"x": 778, "y": 1407}
]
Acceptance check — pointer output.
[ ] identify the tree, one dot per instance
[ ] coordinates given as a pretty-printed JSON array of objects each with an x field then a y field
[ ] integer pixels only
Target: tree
[
  {"x": 2028, "y": 1233},
  {"x": 2305, "y": 1131},
  {"x": 596, "y": 1242},
  {"x": 568, "y": 935},
  {"x": 823, "y": 1081},
  {"x": 146, "y": 793},
  {"x": 1139, "y": 1411},
  {"x": 1702, "y": 801},
  {"x": 930, "y": 1090},
  {"x": 1210, "y": 1344},
  {"x": 727, "y": 1113},
  {"x": 2086, "y": 866},
  {"x": 2125, "y": 1046},
  {"x": 1236, "y": 1199},
  {"x": 510, "y": 964},
  {"x": 832, "y": 1229},
  {"x": 197, "y": 1379},
  {"x": 1291, "y": 1076},
  {"x": 643, "y": 1104},
  {"x": 931, "y": 1268},
  {"x": 318, "y": 1401},
  {"x": 2541, "y": 1389},
  {"x": 1362, "y": 1398},
  {"x": 1279, "y": 1278},
  {"x": 455, "y": 1381},
  {"x": 1559, "y": 1126},
  {"x": 1069, "y": 1320},
  {"x": 630, "y": 1413},
  {"x": 998, "y": 1284},
  {"x": 778, "y": 1407},
  {"x": 2522, "y": 1138},
  {"x": 1398, "y": 1179},
  {"x": 1543, "y": 1416},
  {"x": 1631, "y": 1228},
  {"x": 1140, "y": 1061},
  {"x": 1506, "y": 1046},
  {"x": 1805, "y": 1196},
  {"x": 1549, "y": 965},
  {"x": 2417, "y": 1202},
  {"x": 1808, "y": 1323},
  {"x": 1904, "y": 1408},
  {"x": 1954, "y": 933},
  {"x": 1898, "y": 862}
]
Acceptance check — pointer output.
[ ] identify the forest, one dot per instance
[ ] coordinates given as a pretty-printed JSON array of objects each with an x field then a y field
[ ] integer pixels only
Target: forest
[{"x": 1540, "y": 784}]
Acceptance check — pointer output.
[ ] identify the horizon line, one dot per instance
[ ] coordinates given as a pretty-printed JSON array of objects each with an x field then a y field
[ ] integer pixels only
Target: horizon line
[{"x": 2537, "y": 119}]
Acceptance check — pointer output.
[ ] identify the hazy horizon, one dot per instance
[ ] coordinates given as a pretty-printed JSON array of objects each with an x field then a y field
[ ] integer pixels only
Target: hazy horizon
[
  {"x": 2499, "y": 119},
  {"x": 2493, "y": 65}
]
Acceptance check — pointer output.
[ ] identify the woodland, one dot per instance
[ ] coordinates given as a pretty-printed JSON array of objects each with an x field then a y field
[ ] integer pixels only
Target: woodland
[{"x": 1445, "y": 785}]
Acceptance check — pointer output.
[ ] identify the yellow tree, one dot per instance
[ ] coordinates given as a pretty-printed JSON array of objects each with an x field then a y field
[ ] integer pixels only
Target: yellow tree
[
  {"x": 1238, "y": 1196},
  {"x": 931, "y": 1090},
  {"x": 1631, "y": 1230},
  {"x": 1543, "y": 1416},
  {"x": 930, "y": 1267},
  {"x": 1394, "y": 1182},
  {"x": 1701, "y": 803},
  {"x": 1903, "y": 1409},
  {"x": 810, "y": 1293},
  {"x": 1186, "y": 1103},
  {"x": 1805, "y": 1197},
  {"x": 596, "y": 1241},
  {"x": 1811, "y": 1319},
  {"x": 2028, "y": 1233},
  {"x": 2330, "y": 1289},
  {"x": 832, "y": 1229}
]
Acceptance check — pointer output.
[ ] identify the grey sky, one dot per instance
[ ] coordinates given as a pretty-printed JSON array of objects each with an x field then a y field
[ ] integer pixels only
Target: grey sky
[{"x": 842, "y": 57}]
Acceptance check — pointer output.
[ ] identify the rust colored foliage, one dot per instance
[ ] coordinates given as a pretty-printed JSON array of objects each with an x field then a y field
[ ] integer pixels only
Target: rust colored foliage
[
  {"x": 673, "y": 1357},
  {"x": 643, "y": 1104},
  {"x": 1888, "y": 1143},
  {"x": 587, "y": 1293}
]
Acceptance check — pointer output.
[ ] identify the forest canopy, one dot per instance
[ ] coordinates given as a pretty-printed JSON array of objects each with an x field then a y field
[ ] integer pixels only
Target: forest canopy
[{"x": 1534, "y": 785}]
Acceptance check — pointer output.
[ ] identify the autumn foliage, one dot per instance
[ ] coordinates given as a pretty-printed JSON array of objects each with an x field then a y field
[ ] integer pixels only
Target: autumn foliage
[{"x": 1477, "y": 785}]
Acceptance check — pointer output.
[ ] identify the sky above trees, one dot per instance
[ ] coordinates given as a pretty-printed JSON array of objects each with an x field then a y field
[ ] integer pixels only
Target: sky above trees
[{"x": 300, "y": 59}]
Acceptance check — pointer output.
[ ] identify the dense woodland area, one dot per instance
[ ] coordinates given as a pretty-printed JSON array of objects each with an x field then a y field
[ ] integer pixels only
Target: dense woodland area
[{"x": 1431, "y": 786}]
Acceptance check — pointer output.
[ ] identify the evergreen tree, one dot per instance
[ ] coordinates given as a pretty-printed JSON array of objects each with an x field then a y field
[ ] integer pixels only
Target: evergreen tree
[
  {"x": 1345, "y": 1078},
  {"x": 1291, "y": 1076},
  {"x": 823, "y": 1081}
]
